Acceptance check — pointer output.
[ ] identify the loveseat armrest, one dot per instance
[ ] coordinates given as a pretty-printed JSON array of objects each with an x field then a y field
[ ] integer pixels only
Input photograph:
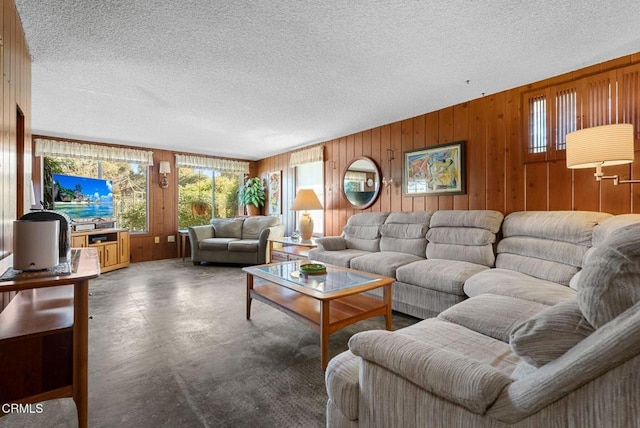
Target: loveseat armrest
[
  {"x": 332, "y": 243},
  {"x": 197, "y": 234},
  {"x": 273, "y": 232},
  {"x": 448, "y": 375}
]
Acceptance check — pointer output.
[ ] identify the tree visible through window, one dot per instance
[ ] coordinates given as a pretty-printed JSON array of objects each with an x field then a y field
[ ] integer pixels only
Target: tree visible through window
[{"x": 203, "y": 194}]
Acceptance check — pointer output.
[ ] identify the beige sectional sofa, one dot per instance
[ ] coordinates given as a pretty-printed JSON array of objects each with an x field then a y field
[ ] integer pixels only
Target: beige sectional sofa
[
  {"x": 241, "y": 240},
  {"x": 549, "y": 337}
]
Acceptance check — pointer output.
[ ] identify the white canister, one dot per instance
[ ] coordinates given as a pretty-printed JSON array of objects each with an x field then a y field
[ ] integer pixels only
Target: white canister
[{"x": 35, "y": 244}]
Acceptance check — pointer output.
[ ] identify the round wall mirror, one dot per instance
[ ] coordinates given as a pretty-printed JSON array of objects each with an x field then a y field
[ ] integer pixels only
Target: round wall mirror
[{"x": 361, "y": 182}]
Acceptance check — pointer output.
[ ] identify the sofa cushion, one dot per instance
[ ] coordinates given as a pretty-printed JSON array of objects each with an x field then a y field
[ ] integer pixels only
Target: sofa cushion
[
  {"x": 253, "y": 226},
  {"x": 467, "y": 236},
  {"x": 227, "y": 227},
  {"x": 492, "y": 315},
  {"x": 383, "y": 263},
  {"x": 245, "y": 245},
  {"x": 515, "y": 284},
  {"x": 548, "y": 245},
  {"x": 609, "y": 282},
  {"x": 362, "y": 231},
  {"x": 404, "y": 238},
  {"x": 549, "y": 334},
  {"x": 338, "y": 258},
  {"x": 216, "y": 244},
  {"x": 447, "y": 276}
]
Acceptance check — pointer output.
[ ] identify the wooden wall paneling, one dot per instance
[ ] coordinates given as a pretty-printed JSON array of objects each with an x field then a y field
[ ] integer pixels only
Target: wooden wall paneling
[
  {"x": 366, "y": 151},
  {"x": 476, "y": 155},
  {"x": 445, "y": 135},
  {"x": 387, "y": 168},
  {"x": 635, "y": 188},
  {"x": 431, "y": 203},
  {"x": 586, "y": 190},
  {"x": 342, "y": 164},
  {"x": 560, "y": 186},
  {"x": 537, "y": 186},
  {"x": 495, "y": 149},
  {"x": 380, "y": 160},
  {"x": 419, "y": 142},
  {"x": 357, "y": 145},
  {"x": 616, "y": 199},
  {"x": 461, "y": 133},
  {"x": 514, "y": 168},
  {"x": 351, "y": 155},
  {"x": 328, "y": 188},
  {"x": 395, "y": 144},
  {"x": 337, "y": 186},
  {"x": 406, "y": 143}
]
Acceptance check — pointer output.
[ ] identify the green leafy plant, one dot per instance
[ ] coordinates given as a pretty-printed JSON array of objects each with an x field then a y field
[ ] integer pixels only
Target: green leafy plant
[{"x": 252, "y": 193}]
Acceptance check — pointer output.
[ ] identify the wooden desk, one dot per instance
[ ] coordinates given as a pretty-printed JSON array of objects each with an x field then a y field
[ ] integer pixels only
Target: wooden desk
[{"x": 40, "y": 309}]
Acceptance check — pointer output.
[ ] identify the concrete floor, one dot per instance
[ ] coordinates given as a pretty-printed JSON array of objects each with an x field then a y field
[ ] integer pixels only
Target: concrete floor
[{"x": 169, "y": 346}]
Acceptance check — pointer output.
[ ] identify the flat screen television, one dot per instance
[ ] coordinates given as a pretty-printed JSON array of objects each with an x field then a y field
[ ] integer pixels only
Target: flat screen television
[{"x": 83, "y": 197}]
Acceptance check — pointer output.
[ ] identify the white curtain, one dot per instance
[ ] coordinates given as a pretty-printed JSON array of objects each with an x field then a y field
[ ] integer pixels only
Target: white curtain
[
  {"x": 355, "y": 176},
  {"x": 68, "y": 149},
  {"x": 217, "y": 164},
  {"x": 312, "y": 154}
]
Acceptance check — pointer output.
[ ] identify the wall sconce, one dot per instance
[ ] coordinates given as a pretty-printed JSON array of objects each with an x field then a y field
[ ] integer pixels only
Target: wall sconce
[
  {"x": 386, "y": 182},
  {"x": 164, "y": 170},
  {"x": 600, "y": 146}
]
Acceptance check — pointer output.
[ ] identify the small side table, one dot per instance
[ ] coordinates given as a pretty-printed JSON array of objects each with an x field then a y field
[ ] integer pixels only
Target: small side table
[
  {"x": 182, "y": 249},
  {"x": 289, "y": 248}
]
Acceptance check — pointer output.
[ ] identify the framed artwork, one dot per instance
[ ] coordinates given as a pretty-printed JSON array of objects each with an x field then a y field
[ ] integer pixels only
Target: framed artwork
[
  {"x": 435, "y": 170},
  {"x": 274, "y": 181}
]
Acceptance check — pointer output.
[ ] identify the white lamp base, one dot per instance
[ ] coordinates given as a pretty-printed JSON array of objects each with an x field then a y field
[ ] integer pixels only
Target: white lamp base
[{"x": 305, "y": 226}]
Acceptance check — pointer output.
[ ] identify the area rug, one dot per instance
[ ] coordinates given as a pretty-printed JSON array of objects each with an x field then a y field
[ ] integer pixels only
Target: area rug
[{"x": 170, "y": 346}]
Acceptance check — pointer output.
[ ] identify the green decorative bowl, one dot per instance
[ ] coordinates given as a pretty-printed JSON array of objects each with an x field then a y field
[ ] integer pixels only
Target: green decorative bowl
[{"x": 313, "y": 269}]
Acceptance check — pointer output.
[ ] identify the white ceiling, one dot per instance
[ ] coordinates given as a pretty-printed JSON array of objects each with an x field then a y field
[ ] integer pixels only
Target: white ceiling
[{"x": 250, "y": 79}]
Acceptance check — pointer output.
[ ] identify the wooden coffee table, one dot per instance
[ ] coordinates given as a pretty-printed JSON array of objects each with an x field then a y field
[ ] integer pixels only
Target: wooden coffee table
[{"x": 326, "y": 303}]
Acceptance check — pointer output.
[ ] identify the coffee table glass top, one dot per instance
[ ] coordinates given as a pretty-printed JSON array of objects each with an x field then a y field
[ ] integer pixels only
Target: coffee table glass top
[{"x": 336, "y": 278}]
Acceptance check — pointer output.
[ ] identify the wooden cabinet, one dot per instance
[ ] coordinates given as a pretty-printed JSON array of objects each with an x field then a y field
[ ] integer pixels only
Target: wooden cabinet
[{"x": 112, "y": 245}]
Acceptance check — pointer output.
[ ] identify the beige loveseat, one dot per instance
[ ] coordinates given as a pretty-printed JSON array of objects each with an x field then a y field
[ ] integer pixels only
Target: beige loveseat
[
  {"x": 551, "y": 337},
  {"x": 240, "y": 240}
]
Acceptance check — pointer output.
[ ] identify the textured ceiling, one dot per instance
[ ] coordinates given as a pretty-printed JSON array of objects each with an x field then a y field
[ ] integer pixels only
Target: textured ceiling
[{"x": 250, "y": 79}]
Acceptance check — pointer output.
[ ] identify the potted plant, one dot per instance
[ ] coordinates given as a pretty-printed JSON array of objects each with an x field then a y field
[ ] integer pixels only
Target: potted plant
[{"x": 252, "y": 195}]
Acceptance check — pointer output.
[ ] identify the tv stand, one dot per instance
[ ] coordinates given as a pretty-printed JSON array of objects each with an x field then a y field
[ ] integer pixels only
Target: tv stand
[{"x": 112, "y": 246}]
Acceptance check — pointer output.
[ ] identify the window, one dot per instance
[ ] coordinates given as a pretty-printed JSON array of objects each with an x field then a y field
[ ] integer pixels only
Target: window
[
  {"x": 129, "y": 185},
  {"x": 537, "y": 124},
  {"x": 311, "y": 176},
  {"x": 550, "y": 114},
  {"x": 204, "y": 193}
]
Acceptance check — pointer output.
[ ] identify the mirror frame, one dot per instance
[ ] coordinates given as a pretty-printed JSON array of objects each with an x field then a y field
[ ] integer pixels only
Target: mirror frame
[{"x": 377, "y": 183}]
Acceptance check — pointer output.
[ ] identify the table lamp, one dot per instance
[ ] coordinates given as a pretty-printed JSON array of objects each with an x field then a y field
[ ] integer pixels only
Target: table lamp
[{"x": 306, "y": 200}]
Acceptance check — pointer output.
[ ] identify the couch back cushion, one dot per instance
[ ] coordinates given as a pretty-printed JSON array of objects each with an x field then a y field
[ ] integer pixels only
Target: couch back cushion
[
  {"x": 610, "y": 280},
  {"x": 462, "y": 235},
  {"x": 600, "y": 233},
  {"x": 362, "y": 231},
  {"x": 406, "y": 232},
  {"x": 227, "y": 227},
  {"x": 253, "y": 226},
  {"x": 549, "y": 245}
]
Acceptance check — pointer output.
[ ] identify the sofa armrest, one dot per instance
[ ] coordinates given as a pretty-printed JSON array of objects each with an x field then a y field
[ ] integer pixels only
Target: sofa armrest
[
  {"x": 197, "y": 234},
  {"x": 332, "y": 243},
  {"x": 449, "y": 375},
  {"x": 273, "y": 231}
]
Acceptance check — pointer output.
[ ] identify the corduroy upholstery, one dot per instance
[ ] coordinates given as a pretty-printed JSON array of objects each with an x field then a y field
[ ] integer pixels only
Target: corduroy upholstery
[{"x": 458, "y": 369}]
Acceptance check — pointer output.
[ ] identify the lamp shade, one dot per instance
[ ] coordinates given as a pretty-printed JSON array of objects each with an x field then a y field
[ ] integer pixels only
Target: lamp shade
[
  {"x": 306, "y": 199},
  {"x": 601, "y": 145},
  {"x": 164, "y": 167}
]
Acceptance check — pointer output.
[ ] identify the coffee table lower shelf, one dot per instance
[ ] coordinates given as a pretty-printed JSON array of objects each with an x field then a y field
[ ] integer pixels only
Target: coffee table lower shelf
[
  {"x": 342, "y": 312},
  {"x": 323, "y": 316}
]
